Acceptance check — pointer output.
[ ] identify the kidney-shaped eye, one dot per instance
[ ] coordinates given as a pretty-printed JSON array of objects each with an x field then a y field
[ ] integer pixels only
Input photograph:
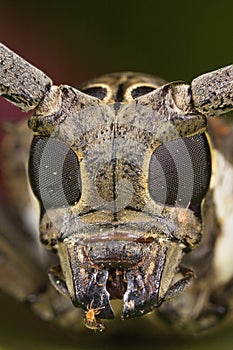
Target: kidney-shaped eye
[
  {"x": 179, "y": 172},
  {"x": 54, "y": 173}
]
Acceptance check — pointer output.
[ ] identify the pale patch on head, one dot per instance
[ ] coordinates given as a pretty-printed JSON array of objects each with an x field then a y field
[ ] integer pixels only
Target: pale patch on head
[{"x": 222, "y": 183}]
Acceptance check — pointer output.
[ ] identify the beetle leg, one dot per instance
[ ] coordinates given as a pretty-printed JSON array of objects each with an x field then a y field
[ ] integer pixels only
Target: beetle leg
[
  {"x": 20, "y": 273},
  {"x": 217, "y": 308},
  {"x": 22, "y": 277}
]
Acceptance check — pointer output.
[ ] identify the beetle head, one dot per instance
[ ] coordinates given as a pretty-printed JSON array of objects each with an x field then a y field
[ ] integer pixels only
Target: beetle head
[{"x": 120, "y": 192}]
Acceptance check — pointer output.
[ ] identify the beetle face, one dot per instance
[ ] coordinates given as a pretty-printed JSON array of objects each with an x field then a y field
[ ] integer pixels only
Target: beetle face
[
  {"x": 120, "y": 181},
  {"x": 121, "y": 169}
]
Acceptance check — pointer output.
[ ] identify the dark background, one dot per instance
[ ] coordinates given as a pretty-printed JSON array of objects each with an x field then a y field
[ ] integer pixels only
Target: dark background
[{"x": 76, "y": 40}]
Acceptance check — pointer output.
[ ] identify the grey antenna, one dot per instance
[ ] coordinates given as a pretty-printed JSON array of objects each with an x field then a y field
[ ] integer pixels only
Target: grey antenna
[
  {"x": 212, "y": 92},
  {"x": 20, "y": 82}
]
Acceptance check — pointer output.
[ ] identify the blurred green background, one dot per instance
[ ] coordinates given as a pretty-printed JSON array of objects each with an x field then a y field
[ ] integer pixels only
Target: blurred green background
[{"x": 76, "y": 40}]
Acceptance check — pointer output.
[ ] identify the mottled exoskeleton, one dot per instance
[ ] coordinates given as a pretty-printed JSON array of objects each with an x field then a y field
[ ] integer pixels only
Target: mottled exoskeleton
[{"x": 133, "y": 197}]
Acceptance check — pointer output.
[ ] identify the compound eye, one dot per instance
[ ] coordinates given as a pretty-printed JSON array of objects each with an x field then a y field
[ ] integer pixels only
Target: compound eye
[
  {"x": 54, "y": 173},
  {"x": 179, "y": 172}
]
